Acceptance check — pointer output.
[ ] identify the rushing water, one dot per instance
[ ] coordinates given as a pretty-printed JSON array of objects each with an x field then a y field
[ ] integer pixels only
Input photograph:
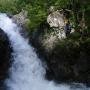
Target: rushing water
[{"x": 26, "y": 72}]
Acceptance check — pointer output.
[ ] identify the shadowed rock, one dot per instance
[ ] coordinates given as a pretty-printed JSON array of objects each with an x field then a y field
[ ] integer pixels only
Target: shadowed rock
[{"x": 5, "y": 51}]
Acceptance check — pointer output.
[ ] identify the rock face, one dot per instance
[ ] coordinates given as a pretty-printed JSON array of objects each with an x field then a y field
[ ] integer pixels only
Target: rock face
[
  {"x": 47, "y": 38},
  {"x": 68, "y": 61},
  {"x": 56, "y": 21},
  {"x": 5, "y": 53},
  {"x": 20, "y": 18}
]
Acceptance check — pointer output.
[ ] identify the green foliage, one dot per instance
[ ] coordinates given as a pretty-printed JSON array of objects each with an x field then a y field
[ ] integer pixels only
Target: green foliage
[
  {"x": 38, "y": 9},
  {"x": 8, "y": 6},
  {"x": 62, "y": 3},
  {"x": 36, "y": 14},
  {"x": 74, "y": 35}
]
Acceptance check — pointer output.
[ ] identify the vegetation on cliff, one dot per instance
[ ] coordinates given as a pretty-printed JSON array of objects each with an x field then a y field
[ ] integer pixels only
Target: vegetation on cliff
[{"x": 39, "y": 9}]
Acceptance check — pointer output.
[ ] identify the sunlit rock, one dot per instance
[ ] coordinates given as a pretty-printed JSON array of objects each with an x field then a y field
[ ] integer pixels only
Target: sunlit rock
[{"x": 56, "y": 21}]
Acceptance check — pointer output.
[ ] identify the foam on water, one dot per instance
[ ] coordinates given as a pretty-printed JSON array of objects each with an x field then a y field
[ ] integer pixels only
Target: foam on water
[{"x": 26, "y": 72}]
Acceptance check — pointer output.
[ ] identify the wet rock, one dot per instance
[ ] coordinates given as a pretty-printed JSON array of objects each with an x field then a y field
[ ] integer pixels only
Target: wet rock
[{"x": 5, "y": 54}]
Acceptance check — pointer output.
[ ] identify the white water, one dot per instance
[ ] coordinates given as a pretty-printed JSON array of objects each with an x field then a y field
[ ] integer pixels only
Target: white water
[{"x": 27, "y": 72}]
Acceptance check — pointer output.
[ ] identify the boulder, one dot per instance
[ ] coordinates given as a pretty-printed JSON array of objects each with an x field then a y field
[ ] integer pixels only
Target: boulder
[{"x": 56, "y": 21}]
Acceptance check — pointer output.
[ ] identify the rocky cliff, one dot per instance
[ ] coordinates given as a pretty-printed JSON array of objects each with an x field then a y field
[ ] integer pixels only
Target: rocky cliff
[{"x": 67, "y": 59}]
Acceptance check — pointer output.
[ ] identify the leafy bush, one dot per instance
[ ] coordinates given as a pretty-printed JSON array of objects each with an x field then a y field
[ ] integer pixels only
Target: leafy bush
[
  {"x": 74, "y": 35},
  {"x": 8, "y": 6}
]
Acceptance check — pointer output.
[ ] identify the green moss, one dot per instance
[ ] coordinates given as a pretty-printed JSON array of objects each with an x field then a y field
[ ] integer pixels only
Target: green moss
[{"x": 74, "y": 35}]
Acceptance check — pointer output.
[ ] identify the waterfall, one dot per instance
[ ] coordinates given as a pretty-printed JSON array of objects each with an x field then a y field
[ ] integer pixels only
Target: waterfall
[{"x": 26, "y": 71}]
